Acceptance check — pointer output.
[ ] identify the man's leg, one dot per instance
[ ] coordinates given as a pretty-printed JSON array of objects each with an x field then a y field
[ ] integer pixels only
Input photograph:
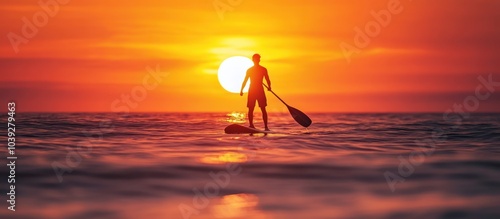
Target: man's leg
[
  {"x": 264, "y": 117},
  {"x": 250, "y": 115}
]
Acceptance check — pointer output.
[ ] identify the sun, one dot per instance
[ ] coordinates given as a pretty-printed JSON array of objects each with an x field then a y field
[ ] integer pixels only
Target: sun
[{"x": 232, "y": 72}]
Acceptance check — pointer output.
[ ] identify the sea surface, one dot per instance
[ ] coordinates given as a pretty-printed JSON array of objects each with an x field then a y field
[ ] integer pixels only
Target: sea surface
[{"x": 174, "y": 165}]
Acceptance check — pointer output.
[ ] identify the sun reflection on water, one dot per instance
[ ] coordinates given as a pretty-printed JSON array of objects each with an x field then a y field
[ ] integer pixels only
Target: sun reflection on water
[
  {"x": 236, "y": 206},
  {"x": 228, "y": 157},
  {"x": 236, "y": 117}
]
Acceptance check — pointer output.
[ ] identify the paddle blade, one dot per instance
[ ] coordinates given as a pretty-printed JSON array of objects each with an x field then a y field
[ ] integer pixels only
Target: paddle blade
[{"x": 300, "y": 117}]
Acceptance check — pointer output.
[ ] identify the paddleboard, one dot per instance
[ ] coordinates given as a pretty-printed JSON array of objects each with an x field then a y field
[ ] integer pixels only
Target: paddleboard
[{"x": 239, "y": 129}]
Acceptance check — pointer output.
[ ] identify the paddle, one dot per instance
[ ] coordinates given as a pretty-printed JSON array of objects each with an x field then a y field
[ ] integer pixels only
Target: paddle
[{"x": 299, "y": 116}]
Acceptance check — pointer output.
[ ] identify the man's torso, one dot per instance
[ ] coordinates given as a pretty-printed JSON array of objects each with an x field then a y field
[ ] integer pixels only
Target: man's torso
[{"x": 256, "y": 74}]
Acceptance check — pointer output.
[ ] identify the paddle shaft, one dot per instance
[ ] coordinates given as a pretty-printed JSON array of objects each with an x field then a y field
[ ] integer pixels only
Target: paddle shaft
[
  {"x": 275, "y": 94},
  {"x": 297, "y": 115}
]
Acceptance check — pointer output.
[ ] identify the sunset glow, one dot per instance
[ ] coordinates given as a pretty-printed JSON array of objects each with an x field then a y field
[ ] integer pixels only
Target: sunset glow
[
  {"x": 250, "y": 109},
  {"x": 325, "y": 56}
]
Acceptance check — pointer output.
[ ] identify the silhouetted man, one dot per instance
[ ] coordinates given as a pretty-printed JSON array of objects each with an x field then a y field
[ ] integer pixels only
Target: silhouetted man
[{"x": 256, "y": 74}]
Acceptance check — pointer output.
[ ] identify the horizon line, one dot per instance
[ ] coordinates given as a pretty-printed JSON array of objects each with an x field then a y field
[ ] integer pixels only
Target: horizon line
[{"x": 201, "y": 112}]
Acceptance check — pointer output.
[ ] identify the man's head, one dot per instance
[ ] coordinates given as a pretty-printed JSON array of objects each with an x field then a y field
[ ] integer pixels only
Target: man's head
[{"x": 256, "y": 59}]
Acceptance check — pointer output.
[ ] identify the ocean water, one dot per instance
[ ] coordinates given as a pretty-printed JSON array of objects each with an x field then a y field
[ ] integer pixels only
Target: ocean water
[{"x": 149, "y": 165}]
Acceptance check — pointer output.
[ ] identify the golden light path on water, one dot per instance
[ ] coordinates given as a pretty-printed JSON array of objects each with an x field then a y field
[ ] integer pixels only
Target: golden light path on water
[{"x": 227, "y": 157}]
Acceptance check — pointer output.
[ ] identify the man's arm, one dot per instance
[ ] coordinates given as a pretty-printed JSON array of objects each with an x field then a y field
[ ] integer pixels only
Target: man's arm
[
  {"x": 268, "y": 80},
  {"x": 244, "y": 83}
]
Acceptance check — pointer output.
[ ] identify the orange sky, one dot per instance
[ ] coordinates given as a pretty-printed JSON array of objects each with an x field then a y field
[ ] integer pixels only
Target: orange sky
[{"x": 90, "y": 53}]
